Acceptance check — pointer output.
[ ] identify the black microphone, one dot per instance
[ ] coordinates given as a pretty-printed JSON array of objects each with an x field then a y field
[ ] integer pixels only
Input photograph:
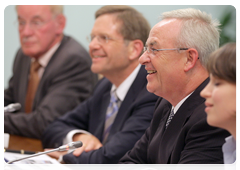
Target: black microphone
[
  {"x": 71, "y": 145},
  {"x": 12, "y": 107}
]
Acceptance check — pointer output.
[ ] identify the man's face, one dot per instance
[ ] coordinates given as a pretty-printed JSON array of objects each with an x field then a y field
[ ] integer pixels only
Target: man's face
[
  {"x": 108, "y": 57},
  {"x": 164, "y": 67},
  {"x": 38, "y": 29}
]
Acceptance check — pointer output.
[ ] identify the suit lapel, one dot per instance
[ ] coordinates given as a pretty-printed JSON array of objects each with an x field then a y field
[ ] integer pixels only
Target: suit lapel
[
  {"x": 50, "y": 66},
  {"x": 124, "y": 110},
  {"x": 23, "y": 83},
  {"x": 101, "y": 119},
  {"x": 181, "y": 116}
]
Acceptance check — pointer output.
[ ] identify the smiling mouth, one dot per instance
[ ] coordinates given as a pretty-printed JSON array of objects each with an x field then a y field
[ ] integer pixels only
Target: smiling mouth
[
  {"x": 97, "y": 57},
  {"x": 151, "y": 71}
]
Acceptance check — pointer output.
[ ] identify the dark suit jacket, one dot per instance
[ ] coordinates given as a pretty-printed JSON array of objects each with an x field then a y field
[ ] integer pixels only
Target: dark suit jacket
[
  {"x": 66, "y": 81},
  {"x": 133, "y": 118},
  {"x": 188, "y": 138}
]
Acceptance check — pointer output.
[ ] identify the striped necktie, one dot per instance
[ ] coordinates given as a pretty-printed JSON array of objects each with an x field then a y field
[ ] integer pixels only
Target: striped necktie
[
  {"x": 112, "y": 111},
  {"x": 170, "y": 118},
  {"x": 32, "y": 85}
]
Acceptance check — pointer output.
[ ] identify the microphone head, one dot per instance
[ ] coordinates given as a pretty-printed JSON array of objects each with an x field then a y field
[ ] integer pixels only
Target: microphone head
[
  {"x": 71, "y": 145},
  {"x": 12, "y": 107},
  {"x": 17, "y": 106},
  {"x": 74, "y": 145}
]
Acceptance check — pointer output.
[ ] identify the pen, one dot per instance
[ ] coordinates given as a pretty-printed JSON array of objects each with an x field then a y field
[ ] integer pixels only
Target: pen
[{"x": 19, "y": 151}]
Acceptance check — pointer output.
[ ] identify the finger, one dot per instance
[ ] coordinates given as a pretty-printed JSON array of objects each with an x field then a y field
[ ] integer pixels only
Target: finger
[
  {"x": 98, "y": 146},
  {"x": 54, "y": 154},
  {"x": 89, "y": 147},
  {"x": 78, "y": 151},
  {"x": 47, "y": 149}
]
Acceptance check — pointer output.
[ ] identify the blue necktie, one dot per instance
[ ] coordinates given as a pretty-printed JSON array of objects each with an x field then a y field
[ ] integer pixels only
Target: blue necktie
[{"x": 112, "y": 111}]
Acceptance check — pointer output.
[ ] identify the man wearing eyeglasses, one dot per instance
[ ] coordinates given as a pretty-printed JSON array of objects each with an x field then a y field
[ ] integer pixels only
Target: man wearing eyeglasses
[
  {"x": 51, "y": 71},
  {"x": 176, "y": 52},
  {"x": 120, "y": 109}
]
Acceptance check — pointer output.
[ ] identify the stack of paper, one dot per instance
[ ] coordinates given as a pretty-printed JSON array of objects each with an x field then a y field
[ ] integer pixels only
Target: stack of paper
[{"x": 42, "y": 162}]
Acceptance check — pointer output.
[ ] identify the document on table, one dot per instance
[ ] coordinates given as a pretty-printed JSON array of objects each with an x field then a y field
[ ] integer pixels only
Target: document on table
[{"x": 41, "y": 159}]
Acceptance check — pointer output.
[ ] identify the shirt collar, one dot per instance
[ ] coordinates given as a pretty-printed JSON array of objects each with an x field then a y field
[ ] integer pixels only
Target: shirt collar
[
  {"x": 122, "y": 90},
  {"x": 175, "y": 109},
  {"x": 44, "y": 59}
]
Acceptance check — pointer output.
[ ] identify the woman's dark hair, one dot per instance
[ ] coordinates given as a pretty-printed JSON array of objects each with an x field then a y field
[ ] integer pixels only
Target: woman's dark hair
[{"x": 222, "y": 63}]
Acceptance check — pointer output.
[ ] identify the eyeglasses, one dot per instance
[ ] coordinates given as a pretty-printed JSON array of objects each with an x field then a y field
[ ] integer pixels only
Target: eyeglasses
[
  {"x": 152, "y": 50},
  {"x": 35, "y": 24},
  {"x": 102, "y": 39}
]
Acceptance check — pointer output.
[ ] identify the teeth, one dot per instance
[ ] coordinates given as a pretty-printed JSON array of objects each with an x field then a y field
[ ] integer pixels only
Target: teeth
[{"x": 151, "y": 71}]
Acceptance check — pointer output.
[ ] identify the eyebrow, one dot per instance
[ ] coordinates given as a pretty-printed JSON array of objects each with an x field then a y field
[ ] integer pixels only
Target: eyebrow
[
  {"x": 35, "y": 17},
  {"x": 150, "y": 44}
]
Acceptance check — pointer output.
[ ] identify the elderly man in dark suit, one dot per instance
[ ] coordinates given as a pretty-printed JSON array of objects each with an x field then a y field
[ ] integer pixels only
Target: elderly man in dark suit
[
  {"x": 51, "y": 72},
  {"x": 175, "y": 55},
  {"x": 120, "y": 109}
]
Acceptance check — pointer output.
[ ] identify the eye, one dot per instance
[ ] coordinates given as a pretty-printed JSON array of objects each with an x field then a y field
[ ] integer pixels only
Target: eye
[
  {"x": 37, "y": 23},
  {"x": 92, "y": 37},
  {"x": 153, "y": 49},
  {"x": 21, "y": 23},
  {"x": 103, "y": 37},
  {"x": 217, "y": 84}
]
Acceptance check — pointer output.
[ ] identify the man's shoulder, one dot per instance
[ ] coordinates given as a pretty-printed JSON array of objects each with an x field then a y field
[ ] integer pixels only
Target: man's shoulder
[
  {"x": 102, "y": 86},
  {"x": 71, "y": 44},
  {"x": 72, "y": 51}
]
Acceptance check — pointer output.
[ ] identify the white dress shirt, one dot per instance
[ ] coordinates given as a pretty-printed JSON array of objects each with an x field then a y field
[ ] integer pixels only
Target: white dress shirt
[
  {"x": 121, "y": 92},
  {"x": 45, "y": 58},
  {"x": 229, "y": 150}
]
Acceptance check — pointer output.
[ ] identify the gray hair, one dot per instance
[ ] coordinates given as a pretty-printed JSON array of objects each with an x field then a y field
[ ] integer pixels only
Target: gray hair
[
  {"x": 55, "y": 9},
  {"x": 198, "y": 30}
]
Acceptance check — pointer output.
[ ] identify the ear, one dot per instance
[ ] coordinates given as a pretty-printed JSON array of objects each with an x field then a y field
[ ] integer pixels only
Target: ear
[
  {"x": 192, "y": 58},
  {"x": 135, "y": 49},
  {"x": 60, "y": 22}
]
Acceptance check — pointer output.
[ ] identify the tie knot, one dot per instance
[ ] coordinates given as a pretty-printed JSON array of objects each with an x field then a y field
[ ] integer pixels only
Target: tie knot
[
  {"x": 35, "y": 65},
  {"x": 114, "y": 97}
]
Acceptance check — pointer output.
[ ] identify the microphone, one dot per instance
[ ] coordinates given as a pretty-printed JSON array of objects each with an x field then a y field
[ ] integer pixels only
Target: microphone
[
  {"x": 12, "y": 107},
  {"x": 71, "y": 145}
]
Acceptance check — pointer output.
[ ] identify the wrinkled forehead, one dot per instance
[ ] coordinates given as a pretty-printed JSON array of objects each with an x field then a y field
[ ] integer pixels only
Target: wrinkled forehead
[
  {"x": 31, "y": 11},
  {"x": 165, "y": 31}
]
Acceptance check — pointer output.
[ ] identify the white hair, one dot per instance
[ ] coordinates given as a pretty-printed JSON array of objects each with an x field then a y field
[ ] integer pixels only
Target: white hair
[{"x": 198, "y": 30}]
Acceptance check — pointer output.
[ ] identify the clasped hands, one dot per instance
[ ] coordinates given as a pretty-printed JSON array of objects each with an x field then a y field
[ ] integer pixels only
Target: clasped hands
[{"x": 89, "y": 141}]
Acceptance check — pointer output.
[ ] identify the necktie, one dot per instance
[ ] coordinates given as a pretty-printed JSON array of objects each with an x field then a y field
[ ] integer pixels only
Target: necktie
[
  {"x": 32, "y": 85},
  {"x": 110, "y": 115},
  {"x": 170, "y": 118}
]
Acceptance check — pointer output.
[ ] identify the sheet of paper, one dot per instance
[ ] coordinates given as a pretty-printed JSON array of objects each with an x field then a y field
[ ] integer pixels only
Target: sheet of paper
[
  {"x": 6, "y": 140},
  {"x": 42, "y": 159}
]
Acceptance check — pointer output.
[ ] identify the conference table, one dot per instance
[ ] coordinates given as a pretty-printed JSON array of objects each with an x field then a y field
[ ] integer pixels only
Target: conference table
[{"x": 22, "y": 144}]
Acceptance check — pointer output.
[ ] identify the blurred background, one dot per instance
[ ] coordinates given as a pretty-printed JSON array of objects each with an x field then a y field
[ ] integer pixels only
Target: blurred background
[{"x": 80, "y": 20}]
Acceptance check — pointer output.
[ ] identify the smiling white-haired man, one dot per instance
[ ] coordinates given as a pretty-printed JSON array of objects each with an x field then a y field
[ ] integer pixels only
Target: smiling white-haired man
[{"x": 175, "y": 55}]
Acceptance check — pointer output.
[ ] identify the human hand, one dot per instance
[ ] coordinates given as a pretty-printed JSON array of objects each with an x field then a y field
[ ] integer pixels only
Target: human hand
[{"x": 90, "y": 143}]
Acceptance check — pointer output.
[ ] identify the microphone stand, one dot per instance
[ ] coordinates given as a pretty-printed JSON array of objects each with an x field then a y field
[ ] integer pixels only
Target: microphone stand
[
  {"x": 30, "y": 156},
  {"x": 71, "y": 145}
]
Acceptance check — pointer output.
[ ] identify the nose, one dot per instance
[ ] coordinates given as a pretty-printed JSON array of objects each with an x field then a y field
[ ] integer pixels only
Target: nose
[
  {"x": 144, "y": 58},
  {"x": 94, "y": 44},
  {"x": 206, "y": 92},
  {"x": 26, "y": 30}
]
